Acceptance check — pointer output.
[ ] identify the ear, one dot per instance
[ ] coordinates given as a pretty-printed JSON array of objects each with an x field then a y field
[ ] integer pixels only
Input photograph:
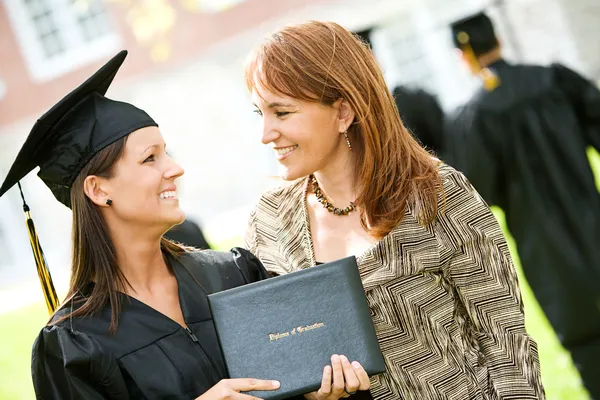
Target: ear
[
  {"x": 93, "y": 187},
  {"x": 345, "y": 115},
  {"x": 458, "y": 53},
  {"x": 465, "y": 60}
]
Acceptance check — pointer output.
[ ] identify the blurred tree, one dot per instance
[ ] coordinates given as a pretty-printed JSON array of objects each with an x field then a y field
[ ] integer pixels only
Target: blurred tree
[{"x": 152, "y": 21}]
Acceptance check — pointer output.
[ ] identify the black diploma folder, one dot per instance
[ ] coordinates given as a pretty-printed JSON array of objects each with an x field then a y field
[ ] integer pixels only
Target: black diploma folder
[{"x": 287, "y": 328}]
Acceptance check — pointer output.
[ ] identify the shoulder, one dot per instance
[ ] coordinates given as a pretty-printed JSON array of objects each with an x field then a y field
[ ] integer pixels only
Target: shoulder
[
  {"x": 462, "y": 211},
  {"x": 462, "y": 117},
  {"x": 63, "y": 342},
  {"x": 64, "y": 359},
  {"x": 561, "y": 71},
  {"x": 510, "y": 71},
  {"x": 572, "y": 82},
  {"x": 61, "y": 317},
  {"x": 457, "y": 190},
  {"x": 225, "y": 264},
  {"x": 276, "y": 201}
]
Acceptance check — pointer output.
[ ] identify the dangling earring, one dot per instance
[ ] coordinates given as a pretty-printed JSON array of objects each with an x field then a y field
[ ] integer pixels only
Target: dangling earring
[
  {"x": 347, "y": 140},
  {"x": 108, "y": 202}
]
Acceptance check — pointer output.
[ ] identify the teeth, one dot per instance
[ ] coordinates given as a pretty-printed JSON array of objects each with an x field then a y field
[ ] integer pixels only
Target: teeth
[
  {"x": 168, "y": 195},
  {"x": 285, "y": 150}
]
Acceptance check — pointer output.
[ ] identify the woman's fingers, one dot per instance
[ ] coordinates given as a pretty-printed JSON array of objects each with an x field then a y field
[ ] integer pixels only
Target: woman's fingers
[
  {"x": 342, "y": 378},
  {"x": 326, "y": 381},
  {"x": 248, "y": 384},
  {"x": 338, "y": 385},
  {"x": 350, "y": 377},
  {"x": 361, "y": 374}
]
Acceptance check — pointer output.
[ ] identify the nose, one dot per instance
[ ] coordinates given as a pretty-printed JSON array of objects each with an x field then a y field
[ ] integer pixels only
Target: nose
[
  {"x": 269, "y": 133},
  {"x": 173, "y": 170}
]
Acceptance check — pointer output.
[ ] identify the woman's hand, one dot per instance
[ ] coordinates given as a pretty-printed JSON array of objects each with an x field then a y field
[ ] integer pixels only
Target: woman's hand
[
  {"x": 340, "y": 380},
  {"x": 229, "y": 389}
]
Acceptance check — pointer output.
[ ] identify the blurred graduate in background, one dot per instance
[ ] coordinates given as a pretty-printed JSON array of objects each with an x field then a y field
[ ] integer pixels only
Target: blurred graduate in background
[{"x": 521, "y": 140}]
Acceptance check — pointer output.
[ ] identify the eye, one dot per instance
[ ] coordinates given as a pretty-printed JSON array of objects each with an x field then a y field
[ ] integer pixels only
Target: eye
[
  {"x": 149, "y": 158},
  {"x": 281, "y": 113},
  {"x": 257, "y": 111}
]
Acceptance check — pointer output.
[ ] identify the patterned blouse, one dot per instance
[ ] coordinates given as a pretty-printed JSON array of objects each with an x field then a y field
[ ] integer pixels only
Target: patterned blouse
[{"x": 444, "y": 298}]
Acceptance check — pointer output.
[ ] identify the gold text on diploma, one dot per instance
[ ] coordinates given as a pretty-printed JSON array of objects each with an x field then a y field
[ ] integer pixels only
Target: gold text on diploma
[{"x": 273, "y": 337}]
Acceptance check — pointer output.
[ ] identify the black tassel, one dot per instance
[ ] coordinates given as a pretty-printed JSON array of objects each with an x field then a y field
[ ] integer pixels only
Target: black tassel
[{"x": 40, "y": 261}]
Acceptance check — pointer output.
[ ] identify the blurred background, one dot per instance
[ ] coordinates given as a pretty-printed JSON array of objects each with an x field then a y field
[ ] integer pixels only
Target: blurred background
[{"x": 185, "y": 69}]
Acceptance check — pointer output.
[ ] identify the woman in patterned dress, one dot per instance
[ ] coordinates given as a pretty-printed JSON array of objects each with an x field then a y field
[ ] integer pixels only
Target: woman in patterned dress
[{"x": 435, "y": 266}]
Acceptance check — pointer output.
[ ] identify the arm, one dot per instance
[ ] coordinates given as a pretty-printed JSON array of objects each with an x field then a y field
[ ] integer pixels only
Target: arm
[
  {"x": 249, "y": 265},
  {"x": 476, "y": 146},
  {"x": 250, "y": 236},
  {"x": 585, "y": 98},
  {"x": 251, "y": 243},
  {"x": 70, "y": 365},
  {"x": 481, "y": 274}
]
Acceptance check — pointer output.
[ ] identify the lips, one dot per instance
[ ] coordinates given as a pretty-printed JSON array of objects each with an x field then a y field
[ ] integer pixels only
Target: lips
[
  {"x": 169, "y": 193},
  {"x": 283, "y": 152}
]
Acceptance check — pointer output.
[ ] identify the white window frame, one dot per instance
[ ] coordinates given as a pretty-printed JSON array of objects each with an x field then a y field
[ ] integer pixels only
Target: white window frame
[
  {"x": 216, "y": 6},
  {"x": 78, "y": 53}
]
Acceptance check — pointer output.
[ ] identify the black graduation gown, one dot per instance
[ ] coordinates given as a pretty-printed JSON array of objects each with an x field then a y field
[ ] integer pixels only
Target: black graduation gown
[
  {"x": 523, "y": 146},
  {"x": 150, "y": 356},
  {"x": 422, "y": 115}
]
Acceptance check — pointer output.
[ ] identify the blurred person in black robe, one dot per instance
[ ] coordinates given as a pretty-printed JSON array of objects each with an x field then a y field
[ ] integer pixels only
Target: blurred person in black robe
[
  {"x": 188, "y": 233},
  {"x": 421, "y": 113},
  {"x": 521, "y": 140},
  {"x": 419, "y": 110},
  {"x": 136, "y": 322}
]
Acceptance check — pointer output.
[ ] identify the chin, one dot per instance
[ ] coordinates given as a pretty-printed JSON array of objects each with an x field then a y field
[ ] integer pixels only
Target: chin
[
  {"x": 292, "y": 174},
  {"x": 175, "y": 217}
]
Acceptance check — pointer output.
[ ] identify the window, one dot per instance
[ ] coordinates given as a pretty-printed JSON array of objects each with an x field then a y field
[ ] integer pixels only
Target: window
[
  {"x": 215, "y": 6},
  {"x": 412, "y": 62},
  {"x": 2, "y": 89},
  {"x": 57, "y": 36}
]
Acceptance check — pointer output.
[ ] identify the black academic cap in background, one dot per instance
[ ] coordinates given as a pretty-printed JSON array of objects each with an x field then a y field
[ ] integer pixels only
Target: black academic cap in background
[
  {"x": 475, "y": 36},
  {"x": 479, "y": 30}
]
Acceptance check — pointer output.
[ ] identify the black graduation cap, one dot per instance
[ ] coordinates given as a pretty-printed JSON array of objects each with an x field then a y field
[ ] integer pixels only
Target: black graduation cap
[
  {"x": 475, "y": 36},
  {"x": 480, "y": 31},
  {"x": 65, "y": 139}
]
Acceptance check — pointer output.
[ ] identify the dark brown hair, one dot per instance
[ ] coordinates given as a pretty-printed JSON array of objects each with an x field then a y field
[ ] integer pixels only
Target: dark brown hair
[
  {"x": 323, "y": 62},
  {"x": 94, "y": 255}
]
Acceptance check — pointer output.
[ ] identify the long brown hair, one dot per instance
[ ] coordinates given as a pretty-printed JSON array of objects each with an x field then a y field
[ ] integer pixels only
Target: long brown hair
[
  {"x": 323, "y": 62},
  {"x": 94, "y": 254}
]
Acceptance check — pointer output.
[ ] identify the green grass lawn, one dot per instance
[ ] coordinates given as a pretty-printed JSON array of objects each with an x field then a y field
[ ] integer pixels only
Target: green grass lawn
[{"x": 18, "y": 330}]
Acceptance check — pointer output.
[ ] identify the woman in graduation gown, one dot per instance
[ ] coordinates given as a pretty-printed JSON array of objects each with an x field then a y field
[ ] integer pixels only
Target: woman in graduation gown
[{"x": 136, "y": 322}]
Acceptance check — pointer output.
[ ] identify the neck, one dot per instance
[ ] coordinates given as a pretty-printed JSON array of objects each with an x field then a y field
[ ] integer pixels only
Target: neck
[
  {"x": 337, "y": 178},
  {"x": 139, "y": 257},
  {"x": 490, "y": 57}
]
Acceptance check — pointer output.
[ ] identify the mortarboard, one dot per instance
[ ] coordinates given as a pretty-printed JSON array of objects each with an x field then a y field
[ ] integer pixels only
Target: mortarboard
[
  {"x": 475, "y": 36},
  {"x": 65, "y": 139}
]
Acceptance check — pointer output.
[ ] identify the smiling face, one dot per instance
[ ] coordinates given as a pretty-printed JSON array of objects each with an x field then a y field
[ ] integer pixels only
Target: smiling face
[
  {"x": 142, "y": 187},
  {"x": 305, "y": 136}
]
